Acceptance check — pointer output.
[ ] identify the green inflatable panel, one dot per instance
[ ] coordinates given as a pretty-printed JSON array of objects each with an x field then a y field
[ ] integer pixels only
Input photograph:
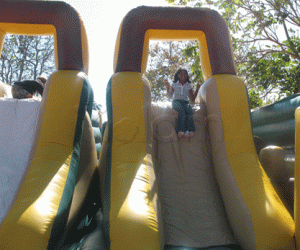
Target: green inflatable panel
[{"x": 275, "y": 123}]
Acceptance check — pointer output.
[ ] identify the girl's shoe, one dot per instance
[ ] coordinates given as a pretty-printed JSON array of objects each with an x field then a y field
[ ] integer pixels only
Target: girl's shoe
[{"x": 180, "y": 134}]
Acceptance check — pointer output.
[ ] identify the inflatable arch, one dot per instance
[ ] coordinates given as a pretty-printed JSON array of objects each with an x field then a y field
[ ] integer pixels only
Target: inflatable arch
[
  {"x": 255, "y": 213},
  {"x": 62, "y": 157}
]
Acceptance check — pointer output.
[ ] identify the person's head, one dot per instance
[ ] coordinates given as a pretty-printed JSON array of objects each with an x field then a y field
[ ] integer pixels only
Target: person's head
[
  {"x": 26, "y": 89},
  {"x": 19, "y": 93},
  {"x": 33, "y": 86},
  {"x": 42, "y": 79},
  {"x": 182, "y": 75}
]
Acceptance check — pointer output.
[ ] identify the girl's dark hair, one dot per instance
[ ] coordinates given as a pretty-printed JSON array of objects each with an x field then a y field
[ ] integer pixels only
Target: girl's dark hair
[{"x": 176, "y": 79}]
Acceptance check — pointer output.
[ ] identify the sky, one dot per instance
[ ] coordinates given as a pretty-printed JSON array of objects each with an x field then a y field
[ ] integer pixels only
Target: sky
[{"x": 102, "y": 19}]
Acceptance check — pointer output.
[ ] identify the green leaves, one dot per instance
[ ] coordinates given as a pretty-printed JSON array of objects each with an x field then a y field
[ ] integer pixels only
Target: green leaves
[
  {"x": 26, "y": 57},
  {"x": 254, "y": 99}
]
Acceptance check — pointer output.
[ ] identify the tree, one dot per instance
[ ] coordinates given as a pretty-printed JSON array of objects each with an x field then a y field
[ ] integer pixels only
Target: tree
[
  {"x": 26, "y": 57},
  {"x": 265, "y": 41},
  {"x": 275, "y": 74},
  {"x": 165, "y": 59}
]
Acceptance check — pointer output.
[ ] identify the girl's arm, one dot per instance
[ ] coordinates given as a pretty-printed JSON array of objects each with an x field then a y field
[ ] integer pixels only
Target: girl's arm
[
  {"x": 170, "y": 90},
  {"x": 193, "y": 94}
]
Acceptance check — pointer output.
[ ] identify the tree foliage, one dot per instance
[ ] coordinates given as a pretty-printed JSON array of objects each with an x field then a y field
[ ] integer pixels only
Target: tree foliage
[
  {"x": 26, "y": 57},
  {"x": 266, "y": 44},
  {"x": 165, "y": 58}
]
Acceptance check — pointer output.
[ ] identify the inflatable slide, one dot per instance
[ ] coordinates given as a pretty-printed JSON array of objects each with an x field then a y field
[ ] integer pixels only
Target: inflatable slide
[
  {"x": 209, "y": 191},
  {"x": 47, "y": 154}
]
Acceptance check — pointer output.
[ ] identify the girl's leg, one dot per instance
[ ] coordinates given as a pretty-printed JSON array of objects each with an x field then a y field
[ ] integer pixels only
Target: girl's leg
[
  {"x": 190, "y": 126},
  {"x": 179, "y": 107}
]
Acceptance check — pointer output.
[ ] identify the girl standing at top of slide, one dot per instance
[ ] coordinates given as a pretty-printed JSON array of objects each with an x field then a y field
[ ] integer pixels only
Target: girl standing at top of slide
[{"x": 183, "y": 91}]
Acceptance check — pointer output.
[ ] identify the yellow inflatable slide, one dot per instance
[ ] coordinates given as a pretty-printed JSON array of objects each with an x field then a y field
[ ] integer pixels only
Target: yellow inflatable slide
[
  {"x": 151, "y": 192},
  {"x": 48, "y": 154}
]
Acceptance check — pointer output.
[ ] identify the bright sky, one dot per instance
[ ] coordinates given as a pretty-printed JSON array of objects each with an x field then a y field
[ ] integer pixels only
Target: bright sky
[{"x": 102, "y": 19}]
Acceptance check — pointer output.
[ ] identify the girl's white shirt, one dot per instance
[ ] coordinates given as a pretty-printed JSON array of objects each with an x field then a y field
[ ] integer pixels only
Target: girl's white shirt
[{"x": 181, "y": 92}]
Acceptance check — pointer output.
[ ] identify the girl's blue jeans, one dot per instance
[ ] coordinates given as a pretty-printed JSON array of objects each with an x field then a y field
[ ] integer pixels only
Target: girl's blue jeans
[{"x": 185, "y": 120}]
